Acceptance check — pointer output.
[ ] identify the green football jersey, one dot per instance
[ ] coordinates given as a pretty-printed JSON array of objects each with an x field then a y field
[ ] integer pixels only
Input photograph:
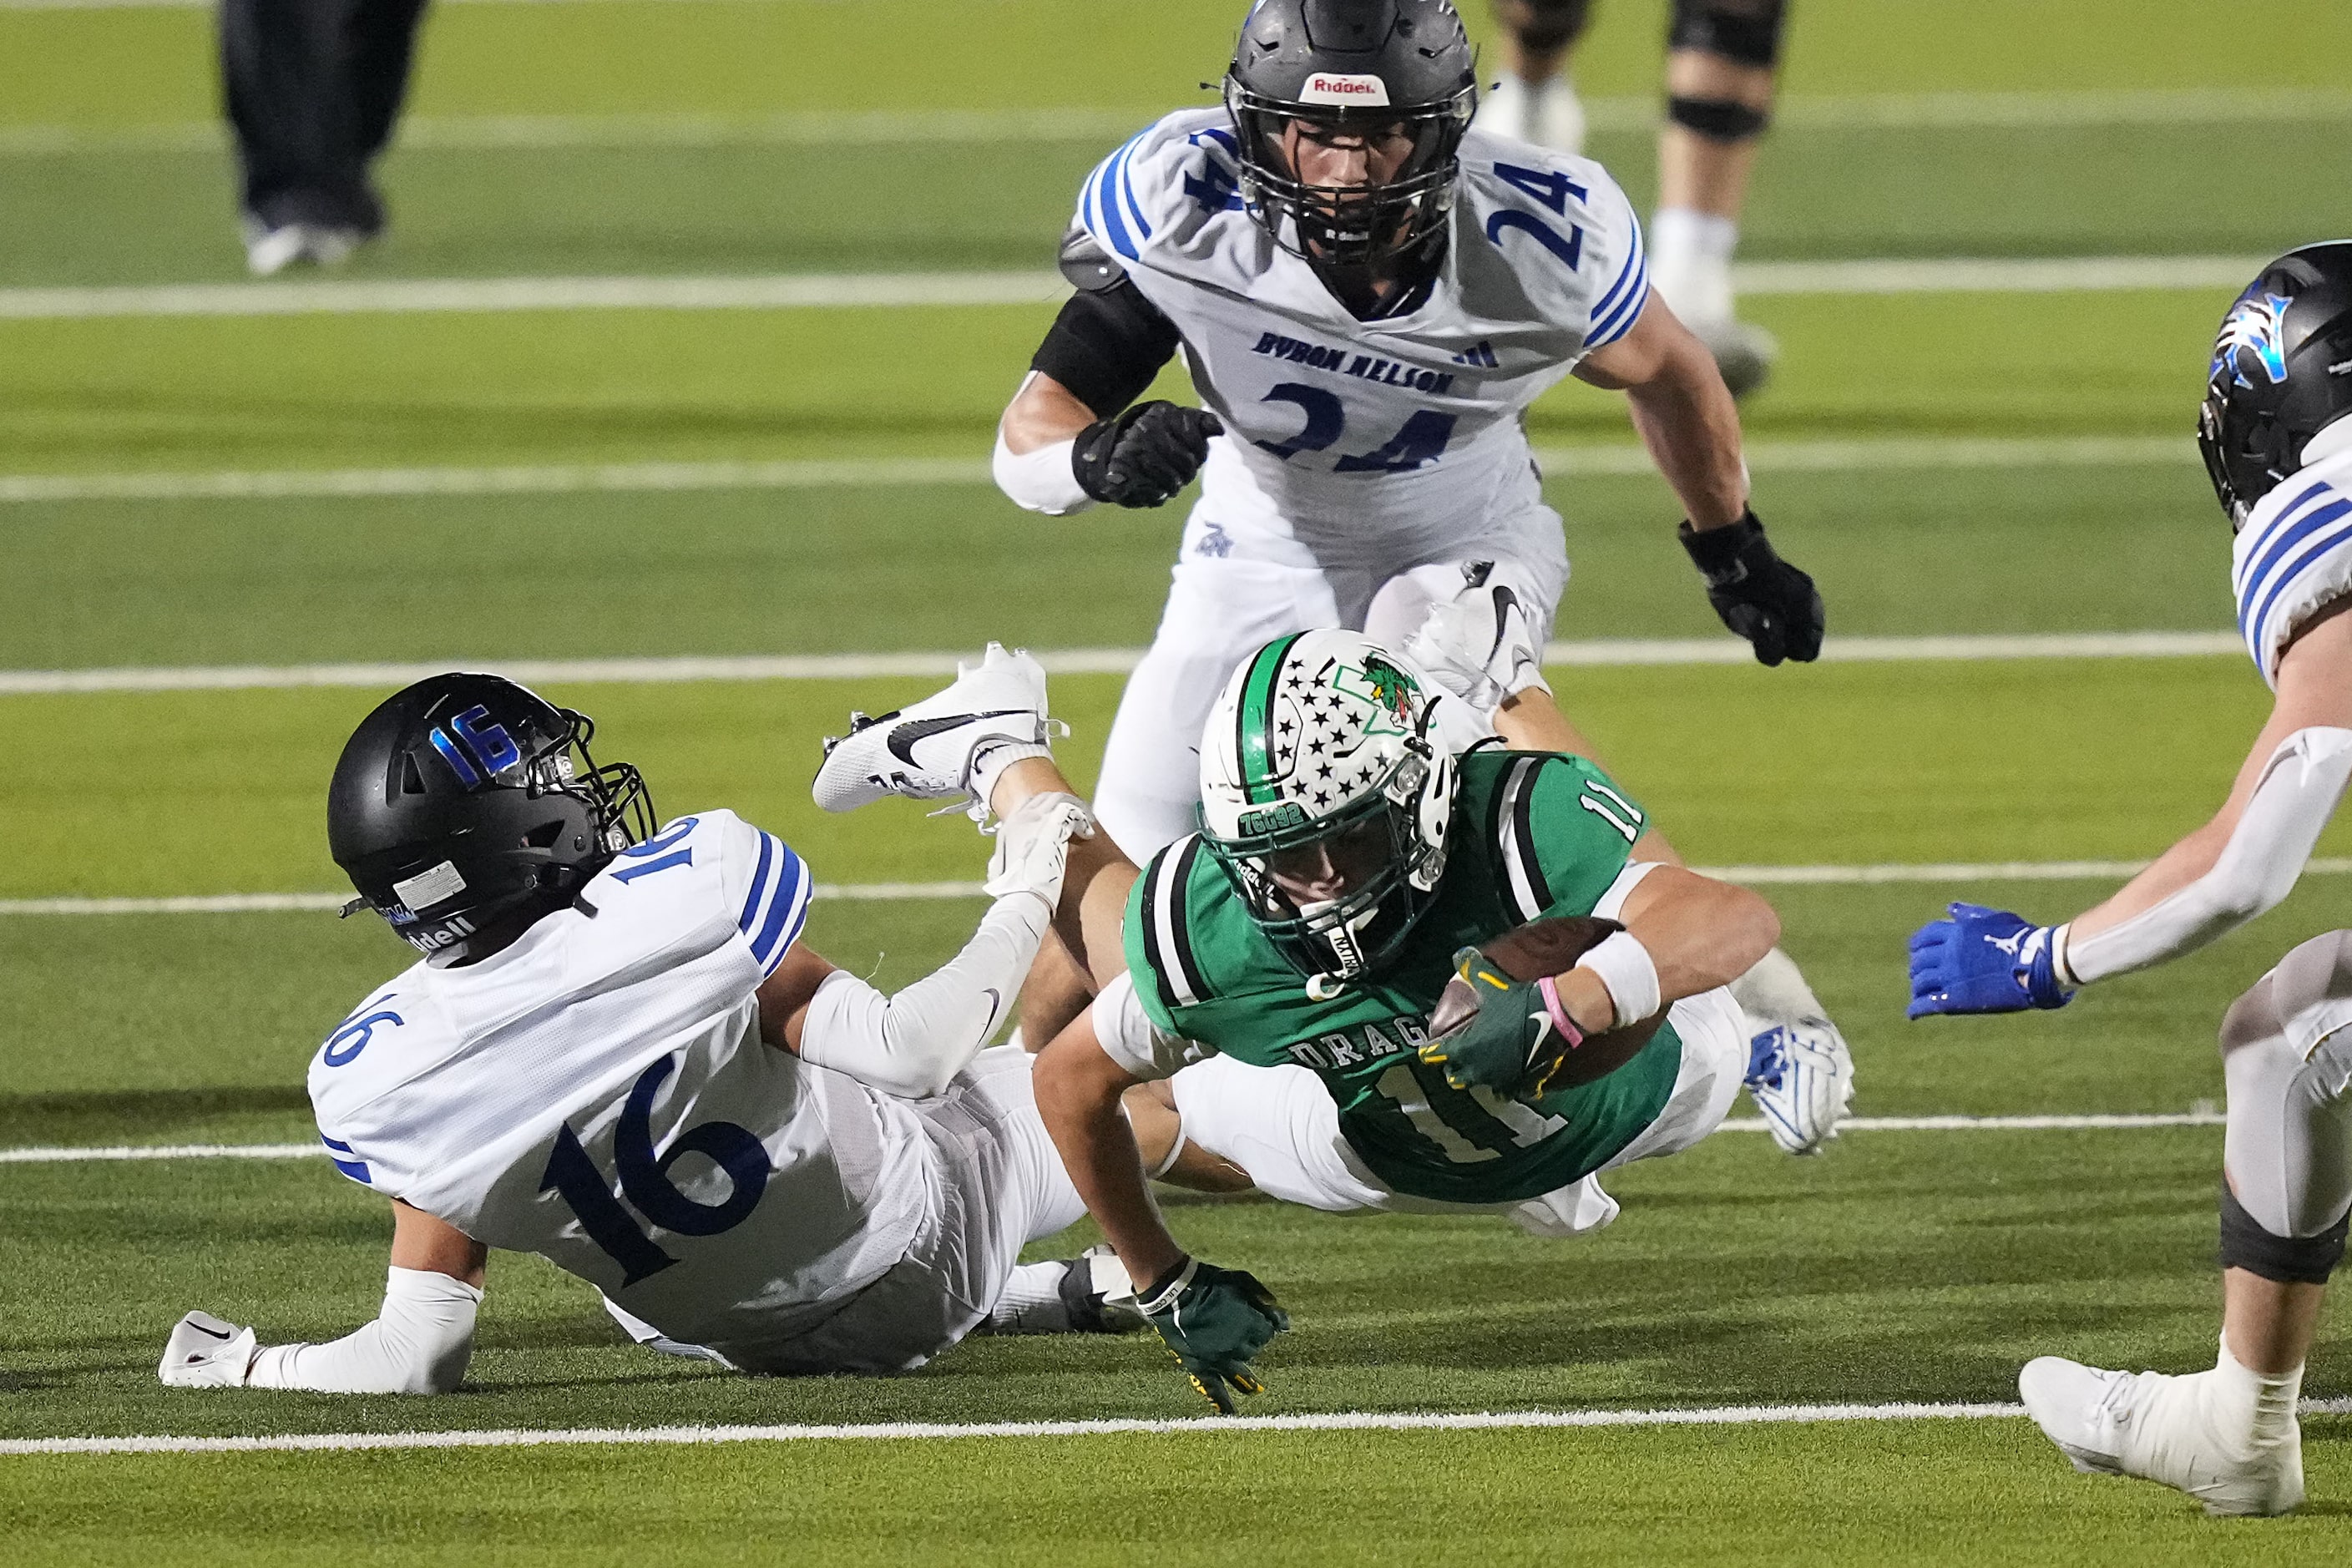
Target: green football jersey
[{"x": 1532, "y": 834}]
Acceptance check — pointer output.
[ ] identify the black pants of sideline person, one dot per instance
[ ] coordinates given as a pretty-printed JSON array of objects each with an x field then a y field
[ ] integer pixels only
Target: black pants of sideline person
[{"x": 312, "y": 88}]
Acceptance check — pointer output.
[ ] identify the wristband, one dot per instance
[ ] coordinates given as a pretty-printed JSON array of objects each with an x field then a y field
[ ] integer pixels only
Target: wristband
[
  {"x": 1624, "y": 966},
  {"x": 1162, "y": 1292},
  {"x": 1042, "y": 480},
  {"x": 1549, "y": 989},
  {"x": 2058, "y": 965}
]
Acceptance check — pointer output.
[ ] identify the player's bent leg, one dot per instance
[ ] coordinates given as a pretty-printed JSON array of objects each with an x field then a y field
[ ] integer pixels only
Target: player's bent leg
[
  {"x": 1220, "y": 610},
  {"x": 1707, "y": 1084},
  {"x": 1281, "y": 1126},
  {"x": 2228, "y": 1435},
  {"x": 1533, "y": 100}
]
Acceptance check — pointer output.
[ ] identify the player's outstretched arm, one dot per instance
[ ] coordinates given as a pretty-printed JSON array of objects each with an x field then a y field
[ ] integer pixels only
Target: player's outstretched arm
[
  {"x": 1214, "y": 1320},
  {"x": 2235, "y": 867},
  {"x": 419, "y": 1343},
  {"x": 1691, "y": 427},
  {"x": 1698, "y": 934}
]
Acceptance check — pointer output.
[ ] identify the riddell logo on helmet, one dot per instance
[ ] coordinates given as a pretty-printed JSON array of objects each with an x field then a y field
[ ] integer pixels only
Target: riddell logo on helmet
[{"x": 1336, "y": 86}]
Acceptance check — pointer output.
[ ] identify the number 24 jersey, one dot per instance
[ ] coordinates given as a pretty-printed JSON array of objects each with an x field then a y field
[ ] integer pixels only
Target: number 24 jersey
[
  {"x": 598, "y": 1093},
  {"x": 1408, "y": 426}
]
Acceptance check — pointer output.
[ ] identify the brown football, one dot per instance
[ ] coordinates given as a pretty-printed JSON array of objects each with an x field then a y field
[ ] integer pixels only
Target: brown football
[{"x": 1531, "y": 951}]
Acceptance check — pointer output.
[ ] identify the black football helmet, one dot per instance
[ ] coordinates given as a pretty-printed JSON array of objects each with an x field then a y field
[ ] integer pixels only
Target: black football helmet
[
  {"x": 458, "y": 802},
  {"x": 2281, "y": 371},
  {"x": 1398, "y": 68}
]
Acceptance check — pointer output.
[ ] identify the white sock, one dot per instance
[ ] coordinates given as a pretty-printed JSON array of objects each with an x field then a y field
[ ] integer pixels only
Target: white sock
[
  {"x": 990, "y": 764},
  {"x": 1690, "y": 262},
  {"x": 1031, "y": 1301},
  {"x": 2250, "y": 1409}
]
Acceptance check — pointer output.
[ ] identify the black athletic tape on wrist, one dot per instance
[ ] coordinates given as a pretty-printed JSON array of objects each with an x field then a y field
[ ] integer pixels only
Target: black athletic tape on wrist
[
  {"x": 2286, "y": 1259},
  {"x": 1717, "y": 551},
  {"x": 1718, "y": 119}
]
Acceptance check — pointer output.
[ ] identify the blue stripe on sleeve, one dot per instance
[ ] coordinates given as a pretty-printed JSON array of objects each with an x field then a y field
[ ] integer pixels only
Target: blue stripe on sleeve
[
  {"x": 1635, "y": 257},
  {"x": 2267, "y": 579},
  {"x": 787, "y": 910},
  {"x": 2293, "y": 522},
  {"x": 758, "y": 885},
  {"x": 1127, "y": 192},
  {"x": 1628, "y": 312},
  {"x": 1104, "y": 194},
  {"x": 354, "y": 1167},
  {"x": 2325, "y": 543}
]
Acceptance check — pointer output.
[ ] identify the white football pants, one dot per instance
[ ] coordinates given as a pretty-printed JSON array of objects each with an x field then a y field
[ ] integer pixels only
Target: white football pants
[
  {"x": 1281, "y": 1125},
  {"x": 1226, "y": 602},
  {"x": 2286, "y": 1056}
]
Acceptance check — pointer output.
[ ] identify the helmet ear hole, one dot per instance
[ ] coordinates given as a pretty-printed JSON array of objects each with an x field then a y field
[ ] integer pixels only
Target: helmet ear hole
[
  {"x": 412, "y": 782},
  {"x": 544, "y": 836}
]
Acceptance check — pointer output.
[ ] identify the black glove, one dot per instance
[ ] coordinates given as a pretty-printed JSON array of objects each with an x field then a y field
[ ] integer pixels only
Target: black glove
[
  {"x": 1760, "y": 596},
  {"x": 1145, "y": 456}
]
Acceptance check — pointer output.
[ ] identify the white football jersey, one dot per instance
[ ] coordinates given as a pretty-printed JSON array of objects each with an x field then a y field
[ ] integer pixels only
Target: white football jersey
[
  {"x": 1355, "y": 437},
  {"x": 598, "y": 1093},
  {"x": 2293, "y": 557}
]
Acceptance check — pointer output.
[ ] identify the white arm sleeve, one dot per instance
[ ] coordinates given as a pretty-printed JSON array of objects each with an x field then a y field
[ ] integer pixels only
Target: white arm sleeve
[
  {"x": 1129, "y": 1037},
  {"x": 913, "y": 1043},
  {"x": 419, "y": 1344},
  {"x": 1042, "y": 481},
  {"x": 2291, "y": 804}
]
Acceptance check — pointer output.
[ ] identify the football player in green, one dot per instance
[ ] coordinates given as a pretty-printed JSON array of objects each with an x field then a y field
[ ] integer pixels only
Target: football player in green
[{"x": 1290, "y": 954}]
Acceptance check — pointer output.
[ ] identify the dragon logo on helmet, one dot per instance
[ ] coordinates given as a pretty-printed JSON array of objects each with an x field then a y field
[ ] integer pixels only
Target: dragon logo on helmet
[{"x": 2255, "y": 325}]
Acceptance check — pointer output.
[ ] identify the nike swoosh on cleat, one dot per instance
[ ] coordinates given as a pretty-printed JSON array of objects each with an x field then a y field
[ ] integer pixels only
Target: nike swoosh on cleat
[
  {"x": 903, "y": 738},
  {"x": 214, "y": 1333}
]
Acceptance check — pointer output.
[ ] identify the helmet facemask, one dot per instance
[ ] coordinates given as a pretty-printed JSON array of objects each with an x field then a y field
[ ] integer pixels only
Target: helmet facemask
[
  {"x": 1323, "y": 769},
  {"x": 1387, "y": 230}
]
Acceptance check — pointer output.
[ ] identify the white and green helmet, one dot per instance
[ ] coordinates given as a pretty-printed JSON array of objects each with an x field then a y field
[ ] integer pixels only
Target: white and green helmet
[{"x": 1316, "y": 734}]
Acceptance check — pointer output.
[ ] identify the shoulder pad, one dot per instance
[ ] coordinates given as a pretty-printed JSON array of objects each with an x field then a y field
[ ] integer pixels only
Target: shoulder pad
[{"x": 1090, "y": 268}]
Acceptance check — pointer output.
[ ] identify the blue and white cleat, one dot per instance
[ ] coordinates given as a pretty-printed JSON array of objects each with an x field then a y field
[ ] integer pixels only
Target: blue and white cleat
[
  {"x": 932, "y": 750},
  {"x": 1801, "y": 1076}
]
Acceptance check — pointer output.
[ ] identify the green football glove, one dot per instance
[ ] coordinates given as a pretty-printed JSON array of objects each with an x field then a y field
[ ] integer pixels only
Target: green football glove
[
  {"x": 1214, "y": 1320},
  {"x": 1494, "y": 1032}
]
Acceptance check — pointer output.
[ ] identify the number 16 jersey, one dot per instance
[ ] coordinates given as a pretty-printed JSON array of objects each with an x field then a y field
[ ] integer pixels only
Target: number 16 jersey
[
  {"x": 598, "y": 1093},
  {"x": 1365, "y": 441}
]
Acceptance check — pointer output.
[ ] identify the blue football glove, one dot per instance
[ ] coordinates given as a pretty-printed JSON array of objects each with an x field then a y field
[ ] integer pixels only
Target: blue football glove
[
  {"x": 1983, "y": 961},
  {"x": 1214, "y": 1320}
]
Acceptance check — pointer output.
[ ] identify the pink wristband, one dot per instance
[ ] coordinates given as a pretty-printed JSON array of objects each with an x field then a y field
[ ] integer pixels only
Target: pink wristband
[{"x": 1558, "y": 1011}]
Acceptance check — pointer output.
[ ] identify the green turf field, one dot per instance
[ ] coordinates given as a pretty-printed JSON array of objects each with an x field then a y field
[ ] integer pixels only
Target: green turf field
[{"x": 755, "y": 137}]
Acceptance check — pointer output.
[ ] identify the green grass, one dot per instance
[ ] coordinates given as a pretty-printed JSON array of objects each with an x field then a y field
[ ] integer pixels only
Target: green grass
[{"x": 1900, "y": 1266}]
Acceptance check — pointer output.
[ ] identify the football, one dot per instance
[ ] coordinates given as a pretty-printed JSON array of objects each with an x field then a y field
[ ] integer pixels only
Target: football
[{"x": 1529, "y": 952}]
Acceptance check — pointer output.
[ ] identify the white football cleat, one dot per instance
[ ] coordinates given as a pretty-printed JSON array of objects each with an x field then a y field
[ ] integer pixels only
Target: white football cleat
[
  {"x": 1743, "y": 352},
  {"x": 206, "y": 1351},
  {"x": 1800, "y": 1076},
  {"x": 269, "y": 251},
  {"x": 926, "y": 750},
  {"x": 2156, "y": 1427},
  {"x": 1479, "y": 645}
]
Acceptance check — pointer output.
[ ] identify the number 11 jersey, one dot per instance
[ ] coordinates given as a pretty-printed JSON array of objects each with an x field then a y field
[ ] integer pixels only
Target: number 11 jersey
[
  {"x": 598, "y": 1093},
  {"x": 1362, "y": 440}
]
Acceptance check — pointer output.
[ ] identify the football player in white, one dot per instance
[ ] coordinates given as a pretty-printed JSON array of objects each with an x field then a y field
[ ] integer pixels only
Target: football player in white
[
  {"x": 617, "y": 1052},
  {"x": 2276, "y": 432},
  {"x": 1369, "y": 294}
]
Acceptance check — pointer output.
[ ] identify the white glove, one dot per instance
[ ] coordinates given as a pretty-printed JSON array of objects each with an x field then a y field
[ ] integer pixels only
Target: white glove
[
  {"x": 1479, "y": 645},
  {"x": 204, "y": 1352},
  {"x": 1033, "y": 847}
]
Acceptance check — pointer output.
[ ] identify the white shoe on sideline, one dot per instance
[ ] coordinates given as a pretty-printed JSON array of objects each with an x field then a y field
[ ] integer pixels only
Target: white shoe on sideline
[
  {"x": 924, "y": 751},
  {"x": 2154, "y": 1426}
]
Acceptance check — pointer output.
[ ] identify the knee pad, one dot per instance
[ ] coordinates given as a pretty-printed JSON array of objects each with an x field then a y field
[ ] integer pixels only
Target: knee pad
[
  {"x": 1747, "y": 31},
  {"x": 1543, "y": 26},
  {"x": 2288, "y": 1259},
  {"x": 1717, "y": 119}
]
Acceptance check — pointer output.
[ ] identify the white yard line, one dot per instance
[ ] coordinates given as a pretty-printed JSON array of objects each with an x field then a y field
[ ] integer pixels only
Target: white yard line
[
  {"x": 564, "y": 478},
  {"x": 1070, "y": 661},
  {"x": 1213, "y": 1425},
  {"x": 1871, "y": 112},
  {"x": 829, "y": 291},
  {"x": 2120, "y": 1121}
]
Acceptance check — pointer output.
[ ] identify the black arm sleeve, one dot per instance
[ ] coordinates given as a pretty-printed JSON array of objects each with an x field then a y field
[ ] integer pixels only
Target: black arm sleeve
[{"x": 1106, "y": 346}]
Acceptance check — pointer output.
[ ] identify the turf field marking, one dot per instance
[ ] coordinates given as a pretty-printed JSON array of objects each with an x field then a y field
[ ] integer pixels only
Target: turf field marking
[
  {"x": 1069, "y": 661},
  {"x": 2119, "y": 1121},
  {"x": 1880, "y": 111},
  {"x": 275, "y": 903},
  {"x": 830, "y": 290},
  {"x": 561, "y": 478}
]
